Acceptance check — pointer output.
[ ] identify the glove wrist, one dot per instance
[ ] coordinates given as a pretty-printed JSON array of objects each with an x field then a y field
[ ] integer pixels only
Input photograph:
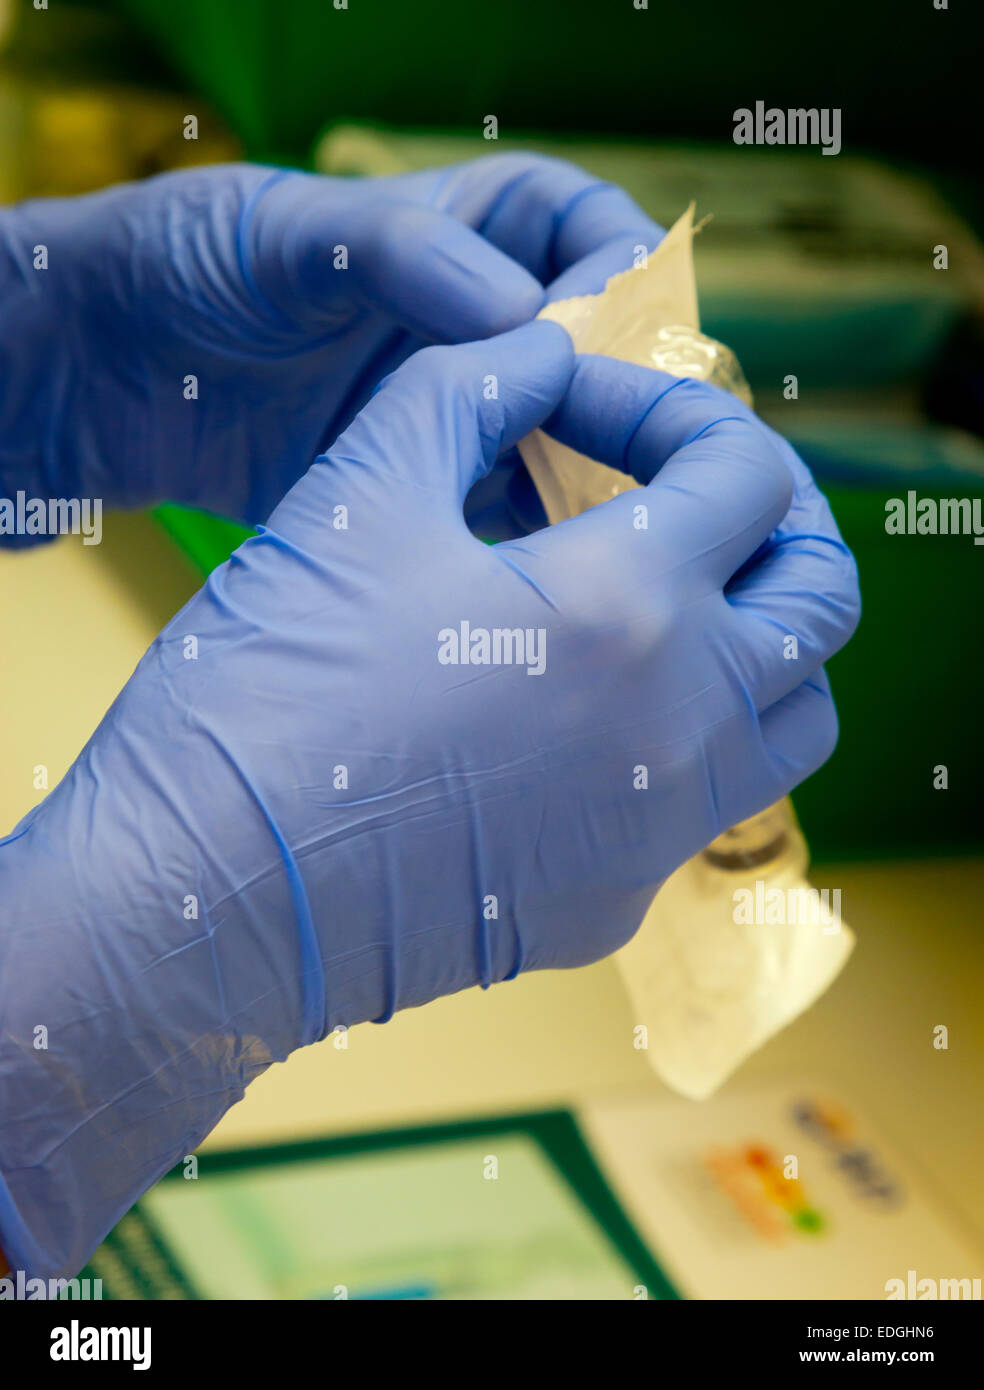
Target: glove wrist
[{"x": 135, "y": 1007}]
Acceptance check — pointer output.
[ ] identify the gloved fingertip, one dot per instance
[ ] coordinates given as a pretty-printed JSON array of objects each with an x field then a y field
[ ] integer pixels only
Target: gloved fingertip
[
  {"x": 600, "y": 214},
  {"x": 465, "y": 289},
  {"x": 592, "y": 272},
  {"x": 514, "y": 300}
]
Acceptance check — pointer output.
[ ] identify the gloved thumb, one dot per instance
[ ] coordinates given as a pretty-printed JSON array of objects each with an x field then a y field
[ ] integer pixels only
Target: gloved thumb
[
  {"x": 317, "y": 245},
  {"x": 432, "y": 428}
]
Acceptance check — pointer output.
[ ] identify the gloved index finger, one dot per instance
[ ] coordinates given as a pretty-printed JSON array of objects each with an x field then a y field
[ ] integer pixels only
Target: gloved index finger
[
  {"x": 592, "y": 272},
  {"x": 545, "y": 213},
  {"x": 716, "y": 483},
  {"x": 803, "y": 583}
]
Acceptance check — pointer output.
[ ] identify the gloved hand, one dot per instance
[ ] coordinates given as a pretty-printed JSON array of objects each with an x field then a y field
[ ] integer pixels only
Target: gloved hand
[
  {"x": 199, "y": 337},
  {"x": 321, "y": 798}
]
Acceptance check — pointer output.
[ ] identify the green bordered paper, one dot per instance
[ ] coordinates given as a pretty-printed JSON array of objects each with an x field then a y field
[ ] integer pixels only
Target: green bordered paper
[{"x": 504, "y": 1208}]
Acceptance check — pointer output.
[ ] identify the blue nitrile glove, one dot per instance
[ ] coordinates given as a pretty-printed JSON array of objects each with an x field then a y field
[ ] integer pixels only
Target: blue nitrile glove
[
  {"x": 199, "y": 337},
  {"x": 307, "y": 809}
]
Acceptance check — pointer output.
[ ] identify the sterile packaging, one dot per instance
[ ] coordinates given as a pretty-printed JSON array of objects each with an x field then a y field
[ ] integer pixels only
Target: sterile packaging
[{"x": 736, "y": 944}]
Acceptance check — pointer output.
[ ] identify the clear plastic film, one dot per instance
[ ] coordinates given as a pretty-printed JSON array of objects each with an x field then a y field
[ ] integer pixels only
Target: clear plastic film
[{"x": 736, "y": 944}]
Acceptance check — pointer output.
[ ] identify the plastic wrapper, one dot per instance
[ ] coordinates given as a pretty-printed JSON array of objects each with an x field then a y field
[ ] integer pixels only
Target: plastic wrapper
[{"x": 736, "y": 944}]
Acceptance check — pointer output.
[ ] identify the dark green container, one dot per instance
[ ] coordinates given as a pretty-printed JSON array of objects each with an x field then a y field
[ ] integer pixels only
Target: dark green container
[
  {"x": 910, "y": 694},
  {"x": 906, "y": 79}
]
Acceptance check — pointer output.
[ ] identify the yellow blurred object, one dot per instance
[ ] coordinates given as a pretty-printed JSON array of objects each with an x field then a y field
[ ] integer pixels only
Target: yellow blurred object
[{"x": 71, "y": 141}]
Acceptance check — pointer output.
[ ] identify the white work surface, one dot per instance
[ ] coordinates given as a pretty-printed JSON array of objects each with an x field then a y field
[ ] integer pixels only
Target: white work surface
[{"x": 73, "y": 623}]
